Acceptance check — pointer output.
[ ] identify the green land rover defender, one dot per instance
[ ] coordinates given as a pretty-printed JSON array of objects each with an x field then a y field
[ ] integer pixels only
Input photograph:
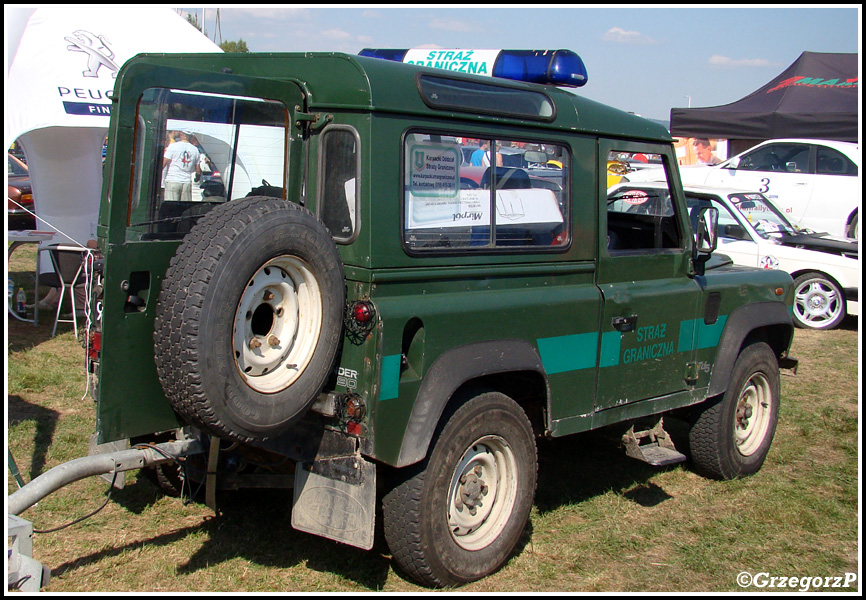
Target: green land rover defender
[{"x": 385, "y": 282}]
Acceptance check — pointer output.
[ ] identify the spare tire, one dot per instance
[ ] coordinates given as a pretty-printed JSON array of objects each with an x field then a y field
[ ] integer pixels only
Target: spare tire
[{"x": 249, "y": 318}]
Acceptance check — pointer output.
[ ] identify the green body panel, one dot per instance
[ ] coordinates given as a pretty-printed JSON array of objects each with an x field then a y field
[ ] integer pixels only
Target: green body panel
[
  {"x": 131, "y": 401},
  {"x": 561, "y": 302},
  {"x": 460, "y": 306}
]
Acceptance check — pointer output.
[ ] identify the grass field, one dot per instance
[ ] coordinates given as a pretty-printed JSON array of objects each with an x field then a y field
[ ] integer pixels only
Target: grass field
[{"x": 601, "y": 522}]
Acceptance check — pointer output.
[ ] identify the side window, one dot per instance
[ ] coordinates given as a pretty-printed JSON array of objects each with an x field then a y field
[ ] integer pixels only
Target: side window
[
  {"x": 477, "y": 194},
  {"x": 640, "y": 216},
  {"x": 777, "y": 158},
  {"x": 195, "y": 150},
  {"x": 832, "y": 162},
  {"x": 339, "y": 162},
  {"x": 728, "y": 227}
]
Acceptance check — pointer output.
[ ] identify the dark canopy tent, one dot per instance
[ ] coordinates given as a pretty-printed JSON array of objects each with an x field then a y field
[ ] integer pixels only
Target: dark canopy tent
[{"x": 816, "y": 97}]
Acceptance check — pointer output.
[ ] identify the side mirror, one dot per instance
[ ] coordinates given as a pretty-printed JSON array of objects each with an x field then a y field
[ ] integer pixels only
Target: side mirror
[
  {"x": 734, "y": 163},
  {"x": 736, "y": 232},
  {"x": 706, "y": 237}
]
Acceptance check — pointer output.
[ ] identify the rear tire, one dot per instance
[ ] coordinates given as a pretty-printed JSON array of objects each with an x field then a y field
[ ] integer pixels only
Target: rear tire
[
  {"x": 458, "y": 515},
  {"x": 731, "y": 435}
]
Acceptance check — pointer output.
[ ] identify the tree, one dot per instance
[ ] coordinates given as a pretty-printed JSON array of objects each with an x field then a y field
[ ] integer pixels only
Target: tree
[
  {"x": 238, "y": 46},
  {"x": 226, "y": 46},
  {"x": 192, "y": 19}
]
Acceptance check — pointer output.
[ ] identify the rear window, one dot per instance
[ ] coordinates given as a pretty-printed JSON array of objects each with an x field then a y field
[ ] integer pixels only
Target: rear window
[{"x": 195, "y": 150}]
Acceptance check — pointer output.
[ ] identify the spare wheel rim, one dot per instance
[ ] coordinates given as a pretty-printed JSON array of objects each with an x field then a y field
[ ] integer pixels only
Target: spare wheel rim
[{"x": 277, "y": 324}]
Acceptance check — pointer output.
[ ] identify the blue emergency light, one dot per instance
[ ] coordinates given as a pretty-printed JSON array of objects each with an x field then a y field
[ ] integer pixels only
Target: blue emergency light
[{"x": 550, "y": 67}]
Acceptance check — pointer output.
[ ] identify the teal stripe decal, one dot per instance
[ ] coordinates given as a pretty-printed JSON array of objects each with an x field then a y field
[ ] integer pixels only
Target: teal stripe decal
[
  {"x": 610, "y": 347},
  {"x": 568, "y": 352},
  {"x": 390, "y": 377},
  {"x": 697, "y": 335}
]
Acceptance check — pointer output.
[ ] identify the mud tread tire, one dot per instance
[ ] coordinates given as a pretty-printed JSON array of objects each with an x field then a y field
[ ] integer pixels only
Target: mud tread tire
[
  {"x": 711, "y": 445},
  {"x": 410, "y": 527},
  {"x": 189, "y": 368}
]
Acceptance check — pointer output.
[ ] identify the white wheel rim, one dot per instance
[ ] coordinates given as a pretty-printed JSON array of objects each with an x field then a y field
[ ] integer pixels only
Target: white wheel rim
[
  {"x": 484, "y": 483},
  {"x": 277, "y": 324},
  {"x": 817, "y": 303},
  {"x": 754, "y": 411}
]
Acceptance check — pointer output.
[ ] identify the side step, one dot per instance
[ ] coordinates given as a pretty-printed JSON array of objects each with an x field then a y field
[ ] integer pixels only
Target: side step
[{"x": 653, "y": 446}]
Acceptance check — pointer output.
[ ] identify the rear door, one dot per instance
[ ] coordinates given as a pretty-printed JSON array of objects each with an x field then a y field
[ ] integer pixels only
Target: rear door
[{"x": 245, "y": 127}]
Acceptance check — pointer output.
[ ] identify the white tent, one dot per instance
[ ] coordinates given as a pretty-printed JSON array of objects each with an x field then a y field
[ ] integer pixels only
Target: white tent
[{"x": 61, "y": 65}]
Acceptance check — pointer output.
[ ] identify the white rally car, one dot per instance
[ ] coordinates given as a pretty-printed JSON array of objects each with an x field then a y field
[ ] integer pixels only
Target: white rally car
[
  {"x": 814, "y": 182},
  {"x": 753, "y": 231}
]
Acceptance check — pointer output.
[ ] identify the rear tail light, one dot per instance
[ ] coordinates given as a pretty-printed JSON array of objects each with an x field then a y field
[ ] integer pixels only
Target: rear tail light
[
  {"x": 94, "y": 345},
  {"x": 363, "y": 312},
  {"x": 360, "y": 318}
]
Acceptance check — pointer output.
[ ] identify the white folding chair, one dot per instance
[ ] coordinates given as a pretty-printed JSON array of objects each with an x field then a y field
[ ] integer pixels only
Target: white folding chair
[{"x": 69, "y": 268}]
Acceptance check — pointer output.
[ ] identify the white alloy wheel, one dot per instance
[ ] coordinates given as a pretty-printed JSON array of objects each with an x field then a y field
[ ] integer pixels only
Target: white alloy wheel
[
  {"x": 818, "y": 302},
  {"x": 277, "y": 324}
]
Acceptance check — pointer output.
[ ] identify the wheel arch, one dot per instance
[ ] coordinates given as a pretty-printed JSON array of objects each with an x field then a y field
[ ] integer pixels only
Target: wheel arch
[
  {"x": 512, "y": 367},
  {"x": 799, "y": 272},
  {"x": 770, "y": 322}
]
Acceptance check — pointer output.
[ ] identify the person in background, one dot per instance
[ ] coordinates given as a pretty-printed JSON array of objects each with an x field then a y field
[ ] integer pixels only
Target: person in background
[
  {"x": 481, "y": 157},
  {"x": 182, "y": 161},
  {"x": 704, "y": 152}
]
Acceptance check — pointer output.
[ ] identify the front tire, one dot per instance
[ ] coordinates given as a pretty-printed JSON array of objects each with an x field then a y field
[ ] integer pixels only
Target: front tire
[
  {"x": 457, "y": 516},
  {"x": 731, "y": 436}
]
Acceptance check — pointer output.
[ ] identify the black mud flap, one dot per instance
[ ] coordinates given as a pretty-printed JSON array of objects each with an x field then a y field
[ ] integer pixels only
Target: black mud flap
[{"x": 336, "y": 499}]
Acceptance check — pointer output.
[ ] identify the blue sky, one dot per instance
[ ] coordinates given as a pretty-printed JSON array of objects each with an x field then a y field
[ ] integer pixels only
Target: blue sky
[{"x": 643, "y": 60}]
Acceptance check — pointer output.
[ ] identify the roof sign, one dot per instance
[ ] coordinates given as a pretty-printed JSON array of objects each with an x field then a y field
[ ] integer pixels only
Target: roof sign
[{"x": 551, "y": 67}]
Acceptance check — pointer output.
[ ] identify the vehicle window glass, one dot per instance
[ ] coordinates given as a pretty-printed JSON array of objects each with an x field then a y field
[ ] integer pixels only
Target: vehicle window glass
[
  {"x": 728, "y": 226},
  {"x": 640, "y": 216},
  {"x": 762, "y": 214},
  {"x": 832, "y": 162},
  {"x": 483, "y": 194},
  {"x": 15, "y": 167},
  {"x": 195, "y": 150},
  {"x": 778, "y": 158},
  {"x": 338, "y": 182}
]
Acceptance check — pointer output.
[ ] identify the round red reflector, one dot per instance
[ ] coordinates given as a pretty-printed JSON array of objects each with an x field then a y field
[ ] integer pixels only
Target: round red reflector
[{"x": 362, "y": 312}]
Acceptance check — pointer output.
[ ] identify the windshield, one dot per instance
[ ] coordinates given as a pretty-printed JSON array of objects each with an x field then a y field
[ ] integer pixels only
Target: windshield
[
  {"x": 15, "y": 167},
  {"x": 767, "y": 220}
]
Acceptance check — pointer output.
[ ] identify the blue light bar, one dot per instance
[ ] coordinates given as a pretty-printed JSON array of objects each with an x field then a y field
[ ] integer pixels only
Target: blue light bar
[{"x": 551, "y": 67}]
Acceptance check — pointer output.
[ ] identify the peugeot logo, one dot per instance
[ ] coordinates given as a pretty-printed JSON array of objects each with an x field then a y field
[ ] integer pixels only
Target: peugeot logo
[{"x": 97, "y": 50}]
